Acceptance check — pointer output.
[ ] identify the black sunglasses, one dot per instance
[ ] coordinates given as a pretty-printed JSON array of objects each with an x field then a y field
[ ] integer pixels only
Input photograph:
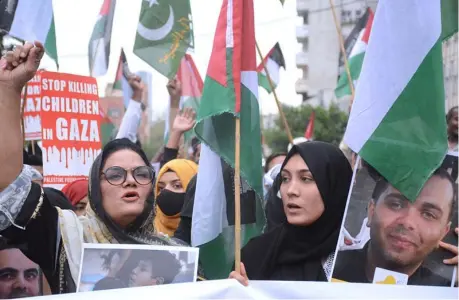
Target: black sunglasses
[{"x": 143, "y": 175}]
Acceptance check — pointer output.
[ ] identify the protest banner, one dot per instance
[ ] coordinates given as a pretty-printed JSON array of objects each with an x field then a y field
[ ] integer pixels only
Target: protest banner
[
  {"x": 70, "y": 127},
  {"x": 32, "y": 120},
  {"x": 231, "y": 289}
]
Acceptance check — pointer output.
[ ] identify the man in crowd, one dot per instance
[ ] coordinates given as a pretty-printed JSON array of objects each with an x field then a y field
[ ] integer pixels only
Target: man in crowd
[
  {"x": 19, "y": 276},
  {"x": 402, "y": 233},
  {"x": 452, "y": 121}
]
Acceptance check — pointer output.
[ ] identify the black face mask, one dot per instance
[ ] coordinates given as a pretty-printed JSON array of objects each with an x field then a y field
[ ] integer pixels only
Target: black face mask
[{"x": 170, "y": 203}]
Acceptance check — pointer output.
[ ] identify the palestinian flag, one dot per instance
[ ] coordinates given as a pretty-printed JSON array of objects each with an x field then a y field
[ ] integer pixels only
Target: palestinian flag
[
  {"x": 121, "y": 82},
  {"x": 397, "y": 123},
  {"x": 273, "y": 61},
  {"x": 191, "y": 81},
  {"x": 309, "y": 132},
  {"x": 355, "y": 45},
  {"x": 99, "y": 43},
  {"x": 230, "y": 92},
  {"x": 34, "y": 21}
]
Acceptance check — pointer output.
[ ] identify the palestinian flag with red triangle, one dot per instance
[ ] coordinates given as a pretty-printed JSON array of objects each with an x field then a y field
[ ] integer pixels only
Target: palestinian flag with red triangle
[
  {"x": 230, "y": 92},
  {"x": 99, "y": 43},
  {"x": 191, "y": 81},
  {"x": 362, "y": 30}
]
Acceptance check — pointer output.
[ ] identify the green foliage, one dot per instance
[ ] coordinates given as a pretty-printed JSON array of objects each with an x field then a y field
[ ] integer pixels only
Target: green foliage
[{"x": 329, "y": 126}]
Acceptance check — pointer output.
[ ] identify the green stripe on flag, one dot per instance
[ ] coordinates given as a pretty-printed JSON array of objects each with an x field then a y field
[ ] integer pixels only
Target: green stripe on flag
[
  {"x": 413, "y": 157},
  {"x": 355, "y": 66},
  {"x": 50, "y": 43},
  {"x": 264, "y": 82}
]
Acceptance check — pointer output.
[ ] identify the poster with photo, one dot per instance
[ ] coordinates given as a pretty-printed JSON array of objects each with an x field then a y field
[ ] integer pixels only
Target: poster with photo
[
  {"x": 19, "y": 276},
  {"x": 387, "y": 239},
  {"x": 110, "y": 266}
]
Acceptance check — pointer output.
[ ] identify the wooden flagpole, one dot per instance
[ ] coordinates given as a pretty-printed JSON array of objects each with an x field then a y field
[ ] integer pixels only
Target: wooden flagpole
[
  {"x": 346, "y": 64},
  {"x": 343, "y": 52},
  {"x": 237, "y": 197},
  {"x": 279, "y": 107}
]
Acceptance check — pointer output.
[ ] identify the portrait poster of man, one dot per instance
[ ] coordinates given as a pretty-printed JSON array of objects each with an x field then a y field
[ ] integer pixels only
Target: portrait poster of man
[
  {"x": 110, "y": 266},
  {"x": 388, "y": 239},
  {"x": 19, "y": 276}
]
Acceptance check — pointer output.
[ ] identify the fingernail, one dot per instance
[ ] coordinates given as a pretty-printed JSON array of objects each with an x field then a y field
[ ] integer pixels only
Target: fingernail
[
  {"x": 15, "y": 63},
  {"x": 23, "y": 54},
  {"x": 444, "y": 261}
]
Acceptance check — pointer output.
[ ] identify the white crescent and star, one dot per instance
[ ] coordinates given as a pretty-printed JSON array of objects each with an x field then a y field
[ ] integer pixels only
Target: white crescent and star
[{"x": 160, "y": 33}]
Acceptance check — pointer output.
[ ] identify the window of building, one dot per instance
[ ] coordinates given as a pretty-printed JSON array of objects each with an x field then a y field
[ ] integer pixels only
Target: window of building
[{"x": 306, "y": 18}]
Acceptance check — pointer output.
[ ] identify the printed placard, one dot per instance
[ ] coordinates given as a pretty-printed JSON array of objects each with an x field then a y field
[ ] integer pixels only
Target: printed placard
[
  {"x": 70, "y": 127},
  {"x": 32, "y": 118},
  {"x": 383, "y": 276},
  {"x": 383, "y": 230},
  {"x": 116, "y": 266}
]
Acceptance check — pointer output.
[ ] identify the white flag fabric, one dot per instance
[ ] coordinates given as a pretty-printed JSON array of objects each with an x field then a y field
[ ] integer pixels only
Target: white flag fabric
[{"x": 32, "y": 20}]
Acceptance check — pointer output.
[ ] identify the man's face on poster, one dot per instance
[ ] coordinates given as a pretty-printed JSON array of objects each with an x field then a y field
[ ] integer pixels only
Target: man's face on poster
[
  {"x": 406, "y": 233},
  {"x": 19, "y": 276}
]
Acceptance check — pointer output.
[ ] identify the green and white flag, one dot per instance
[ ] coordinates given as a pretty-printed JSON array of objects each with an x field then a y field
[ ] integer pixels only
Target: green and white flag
[
  {"x": 230, "y": 91},
  {"x": 397, "y": 122},
  {"x": 34, "y": 21},
  {"x": 99, "y": 43},
  {"x": 355, "y": 45},
  {"x": 164, "y": 34},
  {"x": 273, "y": 61}
]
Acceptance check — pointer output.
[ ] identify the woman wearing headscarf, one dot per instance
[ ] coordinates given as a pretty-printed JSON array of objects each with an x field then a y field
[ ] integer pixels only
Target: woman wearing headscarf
[
  {"x": 315, "y": 180},
  {"x": 171, "y": 184},
  {"x": 120, "y": 189},
  {"x": 120, "y": 211},
  {"x": 77, "y": 193}
]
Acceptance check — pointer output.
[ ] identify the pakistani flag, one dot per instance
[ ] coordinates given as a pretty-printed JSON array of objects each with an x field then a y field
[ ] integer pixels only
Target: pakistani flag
[
  {"x": 397, "y": 123},
  {"x": 230, "y": 92},
  {"x": 273, "y": 61},
  {"x": 164, "y": 33},
  {"x": 34, "y": 21},
  {"x": 355, "y": 45},
  {"x": 99, "y": 43}
]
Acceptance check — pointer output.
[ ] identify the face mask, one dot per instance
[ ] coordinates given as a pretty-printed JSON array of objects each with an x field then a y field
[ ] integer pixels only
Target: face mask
[{"x": 170, "y": 203}]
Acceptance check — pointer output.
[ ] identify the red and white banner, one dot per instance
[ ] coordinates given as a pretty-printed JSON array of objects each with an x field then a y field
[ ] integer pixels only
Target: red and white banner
[
  {"x": 70, "y": 127},
  {"x": 32, "y": 120}
]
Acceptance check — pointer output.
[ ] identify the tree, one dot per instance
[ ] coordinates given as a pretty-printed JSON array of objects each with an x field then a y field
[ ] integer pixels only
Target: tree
[{"x": 329, "y": 125}]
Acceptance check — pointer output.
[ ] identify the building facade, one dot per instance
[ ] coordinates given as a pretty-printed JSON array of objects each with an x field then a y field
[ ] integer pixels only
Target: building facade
[
  {"x": 320, "y": 49},
  {"x": 450, "y": 70}
]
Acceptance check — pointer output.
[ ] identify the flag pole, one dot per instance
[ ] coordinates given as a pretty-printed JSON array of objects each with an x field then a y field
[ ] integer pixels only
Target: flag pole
[
  {"x": 343, "y": 52},
  {"x": 279, "y": 107},
  {"x": 237, "y": 196}
]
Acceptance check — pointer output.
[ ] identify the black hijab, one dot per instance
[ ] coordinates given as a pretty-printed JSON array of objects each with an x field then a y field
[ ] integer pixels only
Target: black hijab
[
  {"x": 291, "y": 252},
  {"x": 141, "y": 230}
]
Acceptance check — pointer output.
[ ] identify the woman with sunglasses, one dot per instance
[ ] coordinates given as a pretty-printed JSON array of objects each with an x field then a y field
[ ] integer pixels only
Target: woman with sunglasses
[{"x": 120, "y": 191}]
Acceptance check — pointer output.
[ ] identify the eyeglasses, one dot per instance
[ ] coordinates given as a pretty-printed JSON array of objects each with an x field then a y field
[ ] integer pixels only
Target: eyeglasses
[{"x": 117, "y": 176}]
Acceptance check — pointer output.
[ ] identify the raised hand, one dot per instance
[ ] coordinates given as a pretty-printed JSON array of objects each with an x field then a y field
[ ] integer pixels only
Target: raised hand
[
  {"x": 184, "y": 120},
  {"x": 17, "y": 67},
  {"x": 174, "y": 87},
  {"x": 137, "y": 86}
]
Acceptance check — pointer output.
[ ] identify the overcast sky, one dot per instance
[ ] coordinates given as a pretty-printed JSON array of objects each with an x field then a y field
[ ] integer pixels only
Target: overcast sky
[{"x": 75, "y": 21}]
